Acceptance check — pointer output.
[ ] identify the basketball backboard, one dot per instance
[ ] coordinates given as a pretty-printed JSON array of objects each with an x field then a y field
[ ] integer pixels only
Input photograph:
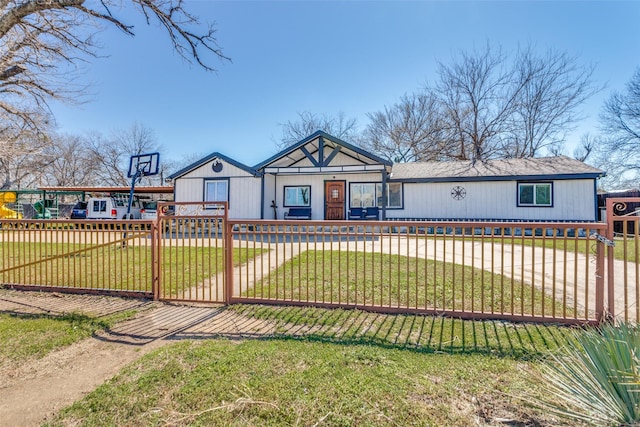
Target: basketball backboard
[{"x": 144, "y": 165}]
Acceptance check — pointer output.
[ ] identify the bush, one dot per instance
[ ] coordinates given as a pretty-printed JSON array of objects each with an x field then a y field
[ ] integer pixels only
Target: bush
[{"x": 597, "y": 378}]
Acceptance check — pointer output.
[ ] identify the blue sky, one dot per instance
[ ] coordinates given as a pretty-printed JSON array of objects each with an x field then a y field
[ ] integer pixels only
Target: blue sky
[{"x": 325, "y": 57}]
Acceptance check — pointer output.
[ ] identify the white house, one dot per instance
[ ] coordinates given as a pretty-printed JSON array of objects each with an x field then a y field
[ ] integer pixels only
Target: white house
[{"x": 322, "y": 177}]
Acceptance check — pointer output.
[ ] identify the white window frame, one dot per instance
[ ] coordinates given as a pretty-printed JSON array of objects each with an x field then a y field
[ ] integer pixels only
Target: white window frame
[{"x": 207, "y": 193}]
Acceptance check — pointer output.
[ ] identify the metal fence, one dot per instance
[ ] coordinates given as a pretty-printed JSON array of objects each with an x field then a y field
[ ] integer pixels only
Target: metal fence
[
  {"x": 517, "y": 271},
  {"x": 623, "y": 261},
  {"x": 192, "y": 256},
  {"x": 548, "y": 272},
  {"x": 81, "y": 256}
]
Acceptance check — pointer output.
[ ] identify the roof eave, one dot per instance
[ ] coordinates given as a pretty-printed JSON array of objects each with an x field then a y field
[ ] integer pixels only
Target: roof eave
[
  {"x": 210, "y": 157},
  {"x": 501, "y": 178}
]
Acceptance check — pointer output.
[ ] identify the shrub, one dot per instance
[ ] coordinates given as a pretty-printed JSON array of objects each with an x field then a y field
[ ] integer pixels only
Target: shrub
[{"x": 596, "y": 379}]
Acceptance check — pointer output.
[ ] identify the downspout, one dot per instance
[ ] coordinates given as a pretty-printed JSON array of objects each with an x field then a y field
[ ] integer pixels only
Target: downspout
[{"x": 595, "y": 196}]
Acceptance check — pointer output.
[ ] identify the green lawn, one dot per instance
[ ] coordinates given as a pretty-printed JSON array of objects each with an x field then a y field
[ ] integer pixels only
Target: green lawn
[
  {"x": 319, "y": 367},
  {"x": 399, "y": 281},
  {"x": 296, "y": 382},
  {"x": 34, "y": 336},
  {"x": 111, "y": 266},
  {"x": 335, "y": 367}
]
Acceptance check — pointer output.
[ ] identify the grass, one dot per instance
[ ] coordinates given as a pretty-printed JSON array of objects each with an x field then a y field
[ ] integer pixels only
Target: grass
[
  {"x": 400, "y": 281},
  {"x": 34, "y": 336},
  {"x": 295, "y": 382},
  {"x": 427, "y": 334},
  {"x": 318, "y": 367},
  {"x": 110, "y": 265}
]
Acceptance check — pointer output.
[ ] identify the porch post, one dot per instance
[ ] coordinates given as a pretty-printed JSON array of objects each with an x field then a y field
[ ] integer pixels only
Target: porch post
[{"x": 384, "y": 194}]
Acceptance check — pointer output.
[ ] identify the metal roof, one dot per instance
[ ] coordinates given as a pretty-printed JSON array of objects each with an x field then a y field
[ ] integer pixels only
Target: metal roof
[{"x": 138, "y": 190}]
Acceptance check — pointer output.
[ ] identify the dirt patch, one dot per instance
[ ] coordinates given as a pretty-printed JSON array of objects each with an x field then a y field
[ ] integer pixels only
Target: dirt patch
[{"x": 35, "y": 391}]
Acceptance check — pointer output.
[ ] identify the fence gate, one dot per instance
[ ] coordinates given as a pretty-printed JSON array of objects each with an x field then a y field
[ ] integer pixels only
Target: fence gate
[
  {"x": 623, "y": 260},
  {"x": 191, "y": 258}
]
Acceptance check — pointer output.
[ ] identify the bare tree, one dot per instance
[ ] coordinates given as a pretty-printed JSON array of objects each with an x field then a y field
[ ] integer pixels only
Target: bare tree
[
  {"x": 110, "y": 156},
  {"x": 70, "y": 162},
  {"x": 411, "y": 130},
  {"x": 478, "y": 97},
  {"x": 42, "y": 41},
  {"x": 550, "y": 89},
  {"x": 619, "y": 150},
  {"x": 497, "y": 106},
  {"x": 339, "y": 126},
  {"x": 587, "y": 145},
  {"x": 22, "y": 158}
]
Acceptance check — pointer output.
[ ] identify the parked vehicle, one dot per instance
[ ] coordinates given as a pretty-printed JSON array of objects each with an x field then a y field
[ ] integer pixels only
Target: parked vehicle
[
  {"x": 79, "y": 211},
  {"x": 149, "y": 209},
  {"x": 112, "y": 207}
]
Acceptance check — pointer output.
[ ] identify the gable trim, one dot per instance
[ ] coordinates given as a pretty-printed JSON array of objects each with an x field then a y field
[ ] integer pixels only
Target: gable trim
[
  {"x": 321, "y": 135},
  {"x": 209, "y": 158}
]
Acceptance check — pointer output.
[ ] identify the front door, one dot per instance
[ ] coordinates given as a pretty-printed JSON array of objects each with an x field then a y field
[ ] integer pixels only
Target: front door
[{"x": 334, "y": 200}]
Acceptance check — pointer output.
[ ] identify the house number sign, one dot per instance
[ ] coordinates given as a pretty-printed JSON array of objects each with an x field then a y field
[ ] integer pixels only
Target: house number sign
[{"x": 458, "y": 193}]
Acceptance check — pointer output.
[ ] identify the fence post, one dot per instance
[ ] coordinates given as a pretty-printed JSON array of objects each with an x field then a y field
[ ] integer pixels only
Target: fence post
[
  {"x": 156, "y": 239},
  {"x": 600, "y": 314},
  {"x": 227, "y": 242},
  {"x": 610, "y": 259}
]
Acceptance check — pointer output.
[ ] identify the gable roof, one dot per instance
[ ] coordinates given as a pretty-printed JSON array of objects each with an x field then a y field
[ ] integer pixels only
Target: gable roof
[
  {"x": 315, "y": 144},
  {"x": 560, "y": 167},
  {"x": 209, "y": 158}
]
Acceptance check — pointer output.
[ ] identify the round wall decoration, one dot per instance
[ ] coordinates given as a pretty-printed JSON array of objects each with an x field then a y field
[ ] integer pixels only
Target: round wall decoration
[
  {"x": 216, "y": 165},
  {"x": 458, "y": 193}
]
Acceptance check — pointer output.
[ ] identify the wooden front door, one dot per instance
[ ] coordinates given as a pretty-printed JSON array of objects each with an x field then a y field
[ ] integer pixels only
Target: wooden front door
[{"x": 334, "y": 200}]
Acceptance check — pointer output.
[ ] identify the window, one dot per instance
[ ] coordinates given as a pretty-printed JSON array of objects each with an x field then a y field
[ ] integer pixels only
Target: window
[
  {"x": 297, "y": 196},
  {"x": 216, "y": 191},
  {"x": 363, "y": 195},
  {"x": 394, "y": 195},
  {"x": 99, "y": 205},
  {"x": 535, "y": 194}
]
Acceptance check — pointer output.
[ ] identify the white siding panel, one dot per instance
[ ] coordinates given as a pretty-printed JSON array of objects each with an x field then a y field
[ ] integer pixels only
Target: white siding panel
[
  {"x": 244, "y": 198},
  {"x": 188, "y": 190},
  {"x": 244, "y": 195},
  {"x": 572, "y": 200},
  {"x": 205, "y": 171}
]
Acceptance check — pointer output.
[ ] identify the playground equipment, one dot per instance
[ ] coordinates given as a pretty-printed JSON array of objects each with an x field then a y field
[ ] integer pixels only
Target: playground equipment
[
  {"x": 42, "y": 212},
  {"x": 5, "y": 212}
]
